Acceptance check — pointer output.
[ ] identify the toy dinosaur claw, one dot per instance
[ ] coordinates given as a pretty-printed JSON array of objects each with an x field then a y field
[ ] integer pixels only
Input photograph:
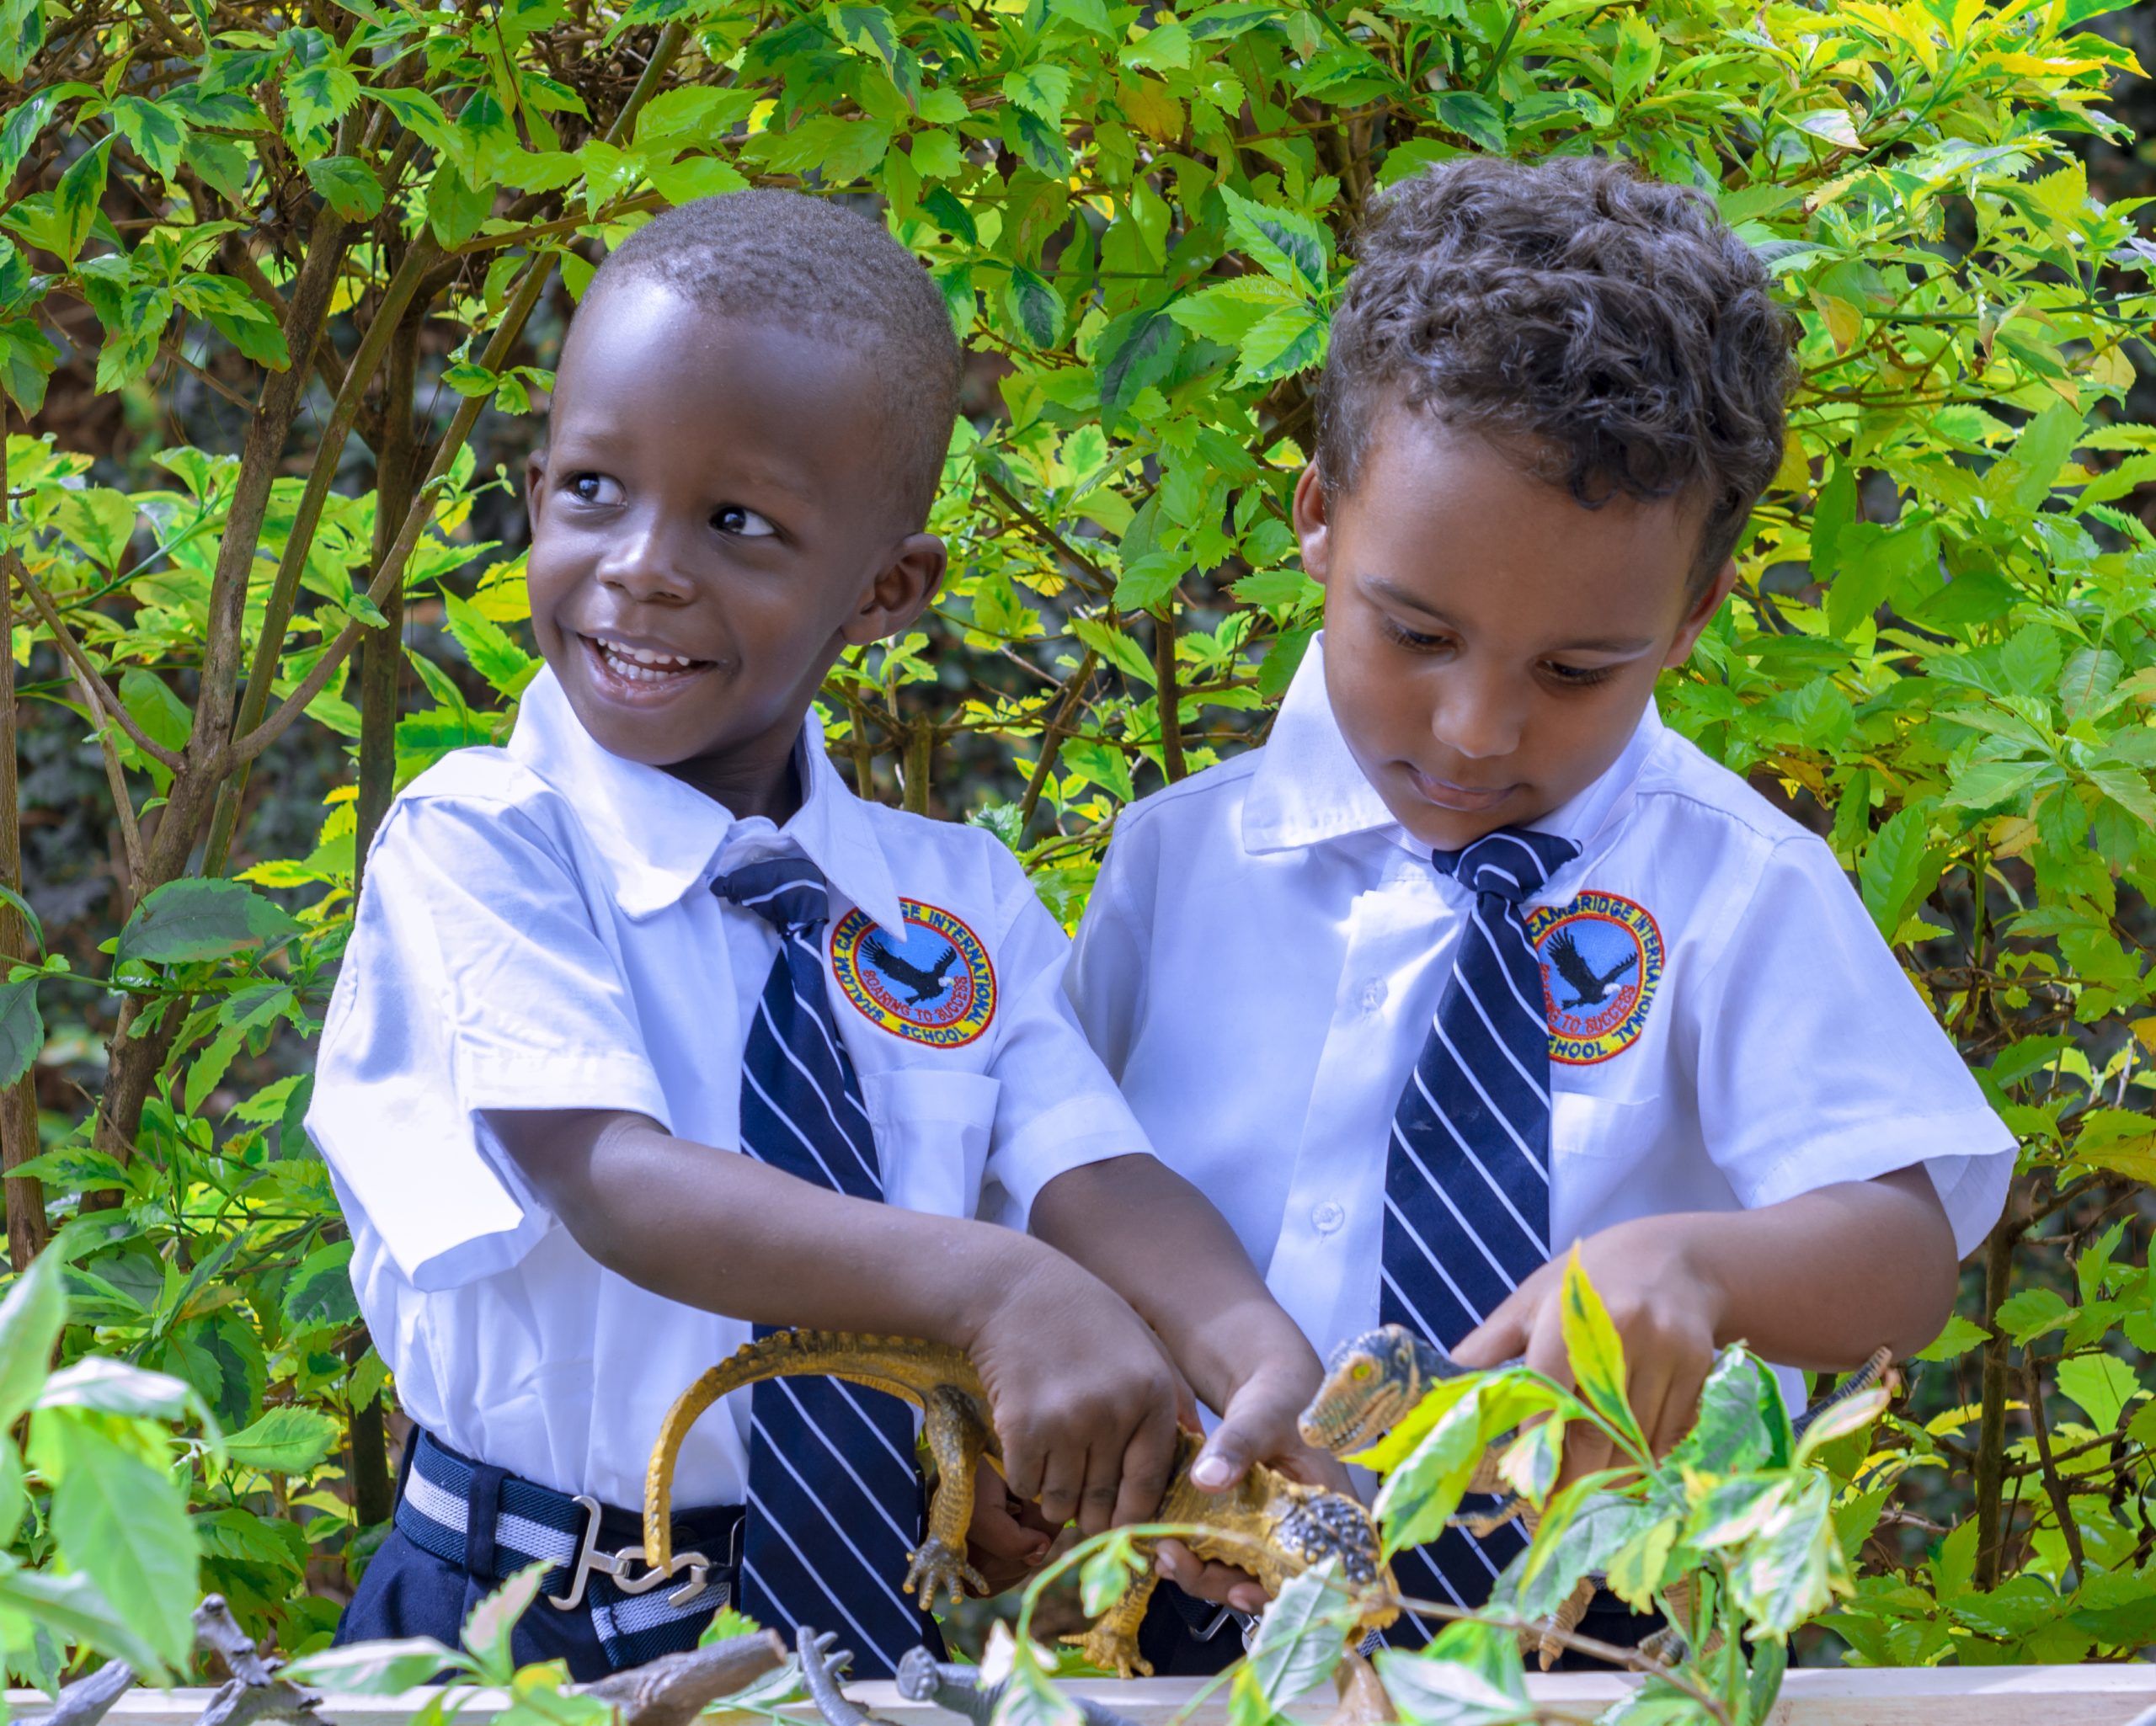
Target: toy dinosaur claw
[
  {"x": 1112, "y": 1651},
  {"x": 939, "y": 1568}
]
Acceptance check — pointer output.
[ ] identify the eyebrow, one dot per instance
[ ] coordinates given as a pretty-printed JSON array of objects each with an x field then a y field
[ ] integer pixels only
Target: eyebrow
[{"x": 1598, "y": 644}]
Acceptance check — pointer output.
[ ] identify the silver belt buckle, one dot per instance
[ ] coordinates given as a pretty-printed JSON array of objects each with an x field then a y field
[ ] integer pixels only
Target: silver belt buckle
[{"x": 617, "y": 1567}]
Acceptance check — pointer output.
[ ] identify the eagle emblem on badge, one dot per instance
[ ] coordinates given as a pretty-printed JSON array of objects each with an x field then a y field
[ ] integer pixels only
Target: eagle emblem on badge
[
  {"x": 930, "y": 982},
  {"x": 1601, "y": 959}
]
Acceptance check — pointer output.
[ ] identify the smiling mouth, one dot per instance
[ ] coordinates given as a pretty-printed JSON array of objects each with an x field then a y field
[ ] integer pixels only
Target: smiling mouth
[
  {"x": 647, "y": 666},
  {"x": 1462, "y": 800}
]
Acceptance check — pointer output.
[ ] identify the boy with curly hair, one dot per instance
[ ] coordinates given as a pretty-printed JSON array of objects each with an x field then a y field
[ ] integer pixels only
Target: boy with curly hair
[{"x": 1526, "y": 969}]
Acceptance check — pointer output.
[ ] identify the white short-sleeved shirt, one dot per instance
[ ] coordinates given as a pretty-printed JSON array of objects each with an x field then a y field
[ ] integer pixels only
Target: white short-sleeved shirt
[
  {"x": 537, "y": 931},
  {"x": 1265, "y": 946}
]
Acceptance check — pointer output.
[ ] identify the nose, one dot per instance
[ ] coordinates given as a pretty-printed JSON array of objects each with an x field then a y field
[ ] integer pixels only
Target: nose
[
  {"x": 1477, "y": 717},
  {"x": 644, "y": 566}
]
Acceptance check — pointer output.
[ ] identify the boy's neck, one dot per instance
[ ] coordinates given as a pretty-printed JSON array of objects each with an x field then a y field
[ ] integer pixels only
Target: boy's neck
[{"x": 747, "y": 787}]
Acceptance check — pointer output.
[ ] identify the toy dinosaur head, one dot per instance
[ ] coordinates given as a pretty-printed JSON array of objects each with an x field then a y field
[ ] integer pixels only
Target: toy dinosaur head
[
  {"x": 1370, "y": 1383},
  {"x": 1311, "y": 1525}
]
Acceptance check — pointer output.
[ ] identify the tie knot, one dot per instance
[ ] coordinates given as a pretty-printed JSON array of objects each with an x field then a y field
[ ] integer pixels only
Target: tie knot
[
  {"x": 788, "y": 893},
  {"x": 1513, "y": 862}
]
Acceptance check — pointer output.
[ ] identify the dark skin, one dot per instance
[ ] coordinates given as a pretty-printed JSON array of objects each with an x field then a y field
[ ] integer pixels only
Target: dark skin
[{"x": 712, "y": 526}]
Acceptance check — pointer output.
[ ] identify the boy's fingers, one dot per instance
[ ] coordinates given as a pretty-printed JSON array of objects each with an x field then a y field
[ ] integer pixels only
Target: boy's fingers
[
  {"x": 1146, "y": 1463},
  {"x": 1227, "y": 1456},
  {"x": 1501, "y": 1337},
  {"x": 1001, "y": 1535},
  {"x": 1097, "y": 1500},
  {"x": 1221, "y": 1584}
]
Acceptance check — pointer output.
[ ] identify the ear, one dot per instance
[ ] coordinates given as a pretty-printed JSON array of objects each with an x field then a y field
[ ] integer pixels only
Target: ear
[
  {"x": 535, "y": 471},
  {"x": 900, "y": 592},
  {"x": 1312, "y": 532},
  {"x": 1702, "y": 613}
]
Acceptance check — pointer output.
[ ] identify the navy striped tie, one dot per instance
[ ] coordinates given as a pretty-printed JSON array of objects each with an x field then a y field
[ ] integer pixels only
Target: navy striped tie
[
  {"x": 834, "y": 1490},
  {"x": 1467, "y": 1177}
]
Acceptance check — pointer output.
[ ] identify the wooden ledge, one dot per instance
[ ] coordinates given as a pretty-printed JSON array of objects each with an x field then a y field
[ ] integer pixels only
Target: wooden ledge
[{"x": 1959, "y": 1695}]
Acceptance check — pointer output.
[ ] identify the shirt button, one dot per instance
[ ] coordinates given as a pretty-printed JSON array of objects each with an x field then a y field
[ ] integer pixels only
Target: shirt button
[
  {"x": 1327, "y": 1217},
  {"x": 1373, "y": 995}
]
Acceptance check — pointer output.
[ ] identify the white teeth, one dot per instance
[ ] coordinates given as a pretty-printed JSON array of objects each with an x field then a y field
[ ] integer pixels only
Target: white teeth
[{"x": 641, "y": 664}]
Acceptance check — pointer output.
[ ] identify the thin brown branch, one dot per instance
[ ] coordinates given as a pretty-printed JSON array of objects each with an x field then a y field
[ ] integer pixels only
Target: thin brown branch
[
  {"x": 1051, "y": 738},
  {"x": 97, "y": 691},
  {"x": 2054, "y": 1483},
  {"x": 123, "y": 804}
]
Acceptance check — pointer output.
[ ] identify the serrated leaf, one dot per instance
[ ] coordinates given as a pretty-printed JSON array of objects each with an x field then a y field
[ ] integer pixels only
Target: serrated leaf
[
  {"x": 1287, "y": 245},
  {"x": 185, "y": 922},
  {"x": 75, "y": 202},
  {"x": 1596, "y": 1351},
  {"x": 31, "y": 1317},
  {"x": 1034, "y": 307},
  {"x": 290, "y": 1440},
  {"x": 22, "y": 1028},
  {"x": 124, "y": 1524},
  {"x": 319, "y": 1294}
]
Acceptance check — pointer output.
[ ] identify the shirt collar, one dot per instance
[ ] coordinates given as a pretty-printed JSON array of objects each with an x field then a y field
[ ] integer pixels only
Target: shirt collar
[
  {"x": 660, "y": 836},
  {"x": 1307, "y": 788}
]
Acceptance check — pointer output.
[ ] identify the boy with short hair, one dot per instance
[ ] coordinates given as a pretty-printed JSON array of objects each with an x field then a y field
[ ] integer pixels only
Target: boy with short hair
[
  {"x": 1524, "y": 969},
  {"x": 650, "y": 1032}
]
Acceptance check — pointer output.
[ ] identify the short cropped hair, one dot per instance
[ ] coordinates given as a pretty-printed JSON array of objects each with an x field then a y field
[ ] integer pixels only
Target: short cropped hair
[
  {"x": 1608, "y": 328},
  {"x": 810, "y": 265}
]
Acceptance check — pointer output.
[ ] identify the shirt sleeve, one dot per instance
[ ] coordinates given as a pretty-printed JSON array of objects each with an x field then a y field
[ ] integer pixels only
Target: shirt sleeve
[
  {"x": 1105, "y": 981},
  {"x": 475, "y": 979},
  {"x": 1058, "y": 1108},
  {"x": 1819, "y": 1062}
]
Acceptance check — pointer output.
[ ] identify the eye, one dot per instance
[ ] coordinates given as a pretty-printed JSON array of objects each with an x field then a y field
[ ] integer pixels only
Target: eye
[
  {"x": 593, "y": 488},
  {"x": 742, "y": 524},
  {"x": 1581, "y": 677},
  {"x": 1362, "y": 1369},
  {"x": 1406, "y": 637}
]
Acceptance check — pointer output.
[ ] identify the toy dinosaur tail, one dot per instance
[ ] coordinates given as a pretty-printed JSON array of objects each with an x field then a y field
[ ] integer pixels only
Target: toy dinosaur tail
[{"x": 899, "y": 1366}]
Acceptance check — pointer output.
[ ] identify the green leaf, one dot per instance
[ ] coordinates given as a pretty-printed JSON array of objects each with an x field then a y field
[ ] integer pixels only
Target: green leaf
[
  {"x": 1955, "y": 1341},
  {"x": 157, "y": 133},
  {"x": 2101, "y": 1384},
  {"x": 74, "y": 203},
  {"x": 1286, "y": 244},
  {"x": 372, "y": 1668},
  {"x": 74, "y": 1609},
  {"x": 347, "y": 185},
  {"x": 1041, "y": 90},
  {"x": 290, "y": 1440},
  {"x": 21, "y": 34},
  {"x": 31, "y": 1317},
  {"x": 124, "y": 1524},
  {"x": 1742, "y": 1424},
  {"x": 1892, "y": 866},
  {"x": 1136, "y": 351},
  {"x": 506, "y": 667},
  {"x": 109, "y": 1387},
  {"x": 1596, "y": 1351},
  {"x": 1434, "y": 1692},
  {"x": 487, "y": 1631},
  {"x": 185, "y": 922},
  {"x": 1473, "y": 117},
  {"x": 22, "y": 1028},
  {"x": 1639, "y": 52},
  {"x": 319, "y": 1294},
  {"x": 1034, "y": 307},
  {"x": 1106, "y": 1574},
  {"x": 1298, "y": 1642},
  {"x": 26, "y": 358}
]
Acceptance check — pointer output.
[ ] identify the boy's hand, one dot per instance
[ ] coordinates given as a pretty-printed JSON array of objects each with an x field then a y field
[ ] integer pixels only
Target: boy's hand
[
  {"x": 1009, "y": 1538},
  {"x": 1259, "y": 1426},
  {"x": 1085, "y": 1399},
  {"x": 1666, "y": 1311}
]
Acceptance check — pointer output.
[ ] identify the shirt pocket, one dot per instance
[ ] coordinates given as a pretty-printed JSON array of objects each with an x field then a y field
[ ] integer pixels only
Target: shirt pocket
[
  {"x": 932, "y": 1132},
  {"x": 1584, "y": 1125}
]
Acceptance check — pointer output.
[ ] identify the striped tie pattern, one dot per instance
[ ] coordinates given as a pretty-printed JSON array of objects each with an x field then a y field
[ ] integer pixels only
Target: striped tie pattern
[
  {"x": 1467, "y": 1175},
  {"x": 834, "y": 1490}
]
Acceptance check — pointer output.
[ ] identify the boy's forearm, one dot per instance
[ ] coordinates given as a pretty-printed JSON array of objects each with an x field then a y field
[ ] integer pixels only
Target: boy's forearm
[
  {"x": 1157, "y": 1241},
  {"x": 1821, "y": 1281},
  {"x": 730, "y": 1234}
]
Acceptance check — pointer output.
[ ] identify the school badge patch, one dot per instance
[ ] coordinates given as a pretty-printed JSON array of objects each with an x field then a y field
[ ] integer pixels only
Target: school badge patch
[
  {"x": 931, "y": 984},
  {"x": 1601, "y": 959}
]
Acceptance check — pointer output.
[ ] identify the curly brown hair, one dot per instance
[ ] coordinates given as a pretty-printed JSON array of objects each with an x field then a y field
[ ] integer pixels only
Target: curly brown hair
[{"x": 1609, "y": 328}]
